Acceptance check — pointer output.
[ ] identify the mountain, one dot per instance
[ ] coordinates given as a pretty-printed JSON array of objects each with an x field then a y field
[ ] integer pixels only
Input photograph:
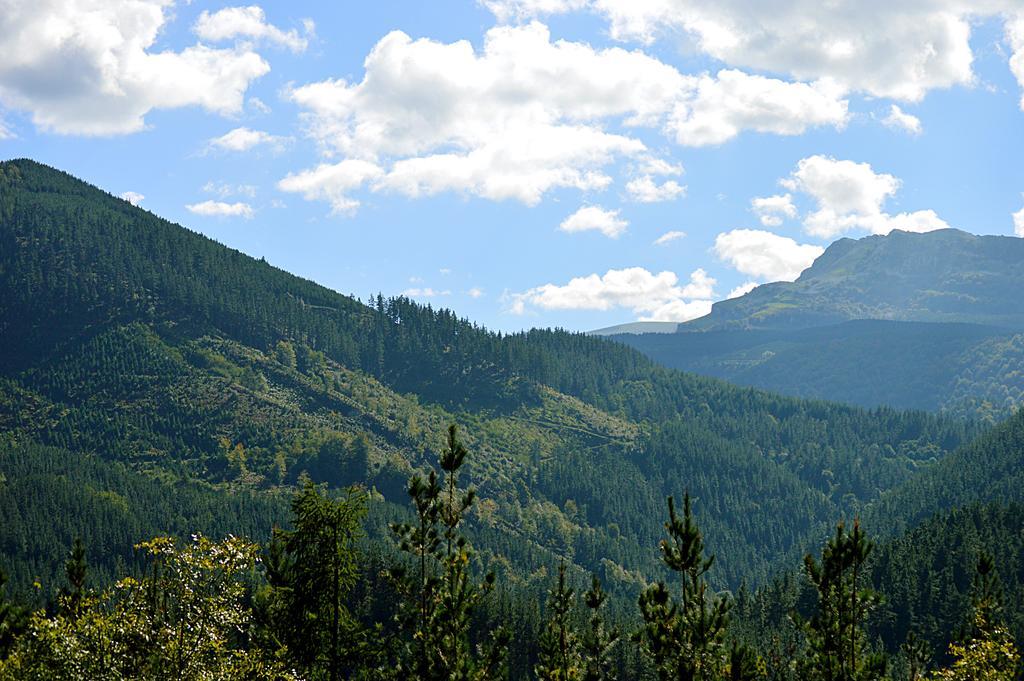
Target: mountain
[
  {"x": 913, "y": 321},
  {"x": 168, "y": 361},
  {"x": 962, "y": 369},
  {"x": 941, "y": 276}
]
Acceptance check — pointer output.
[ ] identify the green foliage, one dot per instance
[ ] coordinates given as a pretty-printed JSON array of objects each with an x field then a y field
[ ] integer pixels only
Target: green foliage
[
  {"x": 559, "y": 645},
  {"x": 440, "y": 592},
  {"x": 839, "y": 649},
  {"x": 311, "y": 571},
  {"x": 685, "y": 635},
  {"x": 187, "y": 618}
]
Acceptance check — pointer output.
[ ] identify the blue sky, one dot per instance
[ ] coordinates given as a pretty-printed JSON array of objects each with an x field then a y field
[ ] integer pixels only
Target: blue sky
[{"x": 518, "y": 160}]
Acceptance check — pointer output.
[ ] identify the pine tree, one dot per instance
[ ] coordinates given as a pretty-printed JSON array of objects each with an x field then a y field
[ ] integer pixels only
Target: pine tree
[
  {"x": 311, "y": 570},
  {"x": 441, "y": 593},
  {"x": 599, "y": 639},
  {"x": 836, "y": 637},
  {"x": 559, "y": 644},
  {"x": 686, "y": 636},
  {"x": 75, "y": 570}
]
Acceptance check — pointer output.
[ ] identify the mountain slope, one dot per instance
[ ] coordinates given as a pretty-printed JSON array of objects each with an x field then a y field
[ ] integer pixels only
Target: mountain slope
[
  {"x": 962, "y": 369},
  {"x": 941, "y": 276},
  {"x": 136, "y": 341}
]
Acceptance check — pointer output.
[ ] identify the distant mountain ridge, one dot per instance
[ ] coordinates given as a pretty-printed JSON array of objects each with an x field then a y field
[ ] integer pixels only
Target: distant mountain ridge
[
  {"x": 915, "y": 321},
  {"x": 942, "y": 276}
]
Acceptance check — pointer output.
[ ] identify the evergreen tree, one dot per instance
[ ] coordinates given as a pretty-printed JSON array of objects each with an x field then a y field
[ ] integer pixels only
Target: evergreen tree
[
  {"x": 599, "y": 640},
  {"x": 559, "y": 646},
  {"x": 311, "y": 570},
  {"x": 75, "y": 571},
  {"x": 836, "y": 632},
  {"x": 440, "y": 592},
  {"x": 685, "y": 636}
]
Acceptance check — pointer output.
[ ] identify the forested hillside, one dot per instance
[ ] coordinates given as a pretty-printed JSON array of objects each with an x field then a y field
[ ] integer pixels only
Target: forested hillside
[
  {"x": 154, "y": 381},
  {"x": 965, "y": 370}
]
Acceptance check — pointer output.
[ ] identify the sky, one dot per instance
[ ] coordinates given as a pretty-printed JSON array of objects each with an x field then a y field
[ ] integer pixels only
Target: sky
[{"x": 570, "y": 163}]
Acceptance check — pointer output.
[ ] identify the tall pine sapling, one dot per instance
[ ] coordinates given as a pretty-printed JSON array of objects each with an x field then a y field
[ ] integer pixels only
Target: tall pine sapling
[
  {"x": 440, "y": 592},
  {"x": 685, "y": 636},
  {"x": 559, "y": 646},
  {"x": 599, "y": 639},
  {"x": 838, "y": 649}
]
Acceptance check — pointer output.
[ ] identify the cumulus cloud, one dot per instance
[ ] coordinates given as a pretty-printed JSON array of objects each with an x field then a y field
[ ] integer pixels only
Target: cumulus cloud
[
  {"x": 525, "y": 114},
  {"x": 659, "y": 166},
  {"x": 669, "y": 237},
  {"x": 720, "y": 108},
  {"x": 249, "y": 22},
  {"x": 742, "y": 290},
  {"x": 5, "y": 131},
  {"x": 595, "y": 218},
  {"x": 1015, "y": 36},
  {"x": 243, "y": 139},
  {"x": 772, "y": 210},
  {"x": 332, "y": 182},
  {"x": 221, "y": 209},
  {"x": 1018, "y": 223},
  {"x": 764, "y": 255},
  {"x": 851, "y": 196},
  {"x": 898, "y": 119},
  {"x": 897, "y": 50},
  {"x": 475, "y": 292},
  {"x": 653, "y": 297},
  {"x": 645, "y": 190},
  {"x": 89, "y": 68},
  {"x": 133, "y": 198}
]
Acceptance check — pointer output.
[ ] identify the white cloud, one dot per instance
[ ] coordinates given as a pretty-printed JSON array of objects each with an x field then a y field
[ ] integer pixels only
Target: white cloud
[
  {"x": 1015, "y": 36},
  {"x": 772, "y": 210},
  {"x": 87, "y": 68},
  {"x": 332, "y": 182},
  {"x": 655, "y": 297},
  {"x": 595, "y": 218},
  {"x": 1018, "y": 223},
  {"x": 645, "y": 190},
  {"x": 5, "y": 131},
  {"x": 525, "y": 115},
  {"x": 851, "y": 196},
  {"x": 475, "y": 292},
  {"x": 764, "y": 255},
  {"x": 248, "y": 22},
  {"x": 898, "y": 119},
  {"x": 243, "y": 139},
  {"x": 426, "y": 292},
  {"x": 742, "y": 290},
  {"x": 225, "y": 190},
  {"x": 669, "y": 237},
  {"x": 133, "y": 198},
  {"x": 221, "y": 209},
  {"x": 720, "y": 108},
  {"x": 658, "y": 166},
  {"x": 897, "y": 50}
]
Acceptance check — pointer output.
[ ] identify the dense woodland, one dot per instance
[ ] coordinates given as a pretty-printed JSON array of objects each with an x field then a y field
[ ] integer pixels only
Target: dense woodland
[{"x": 157, "y": 384}]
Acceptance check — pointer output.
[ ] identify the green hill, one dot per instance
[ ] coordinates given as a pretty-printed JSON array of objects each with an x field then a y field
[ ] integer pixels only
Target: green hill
[
  {"x": 962, "y": 369},
  {"x": 141, "y": 346}
]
